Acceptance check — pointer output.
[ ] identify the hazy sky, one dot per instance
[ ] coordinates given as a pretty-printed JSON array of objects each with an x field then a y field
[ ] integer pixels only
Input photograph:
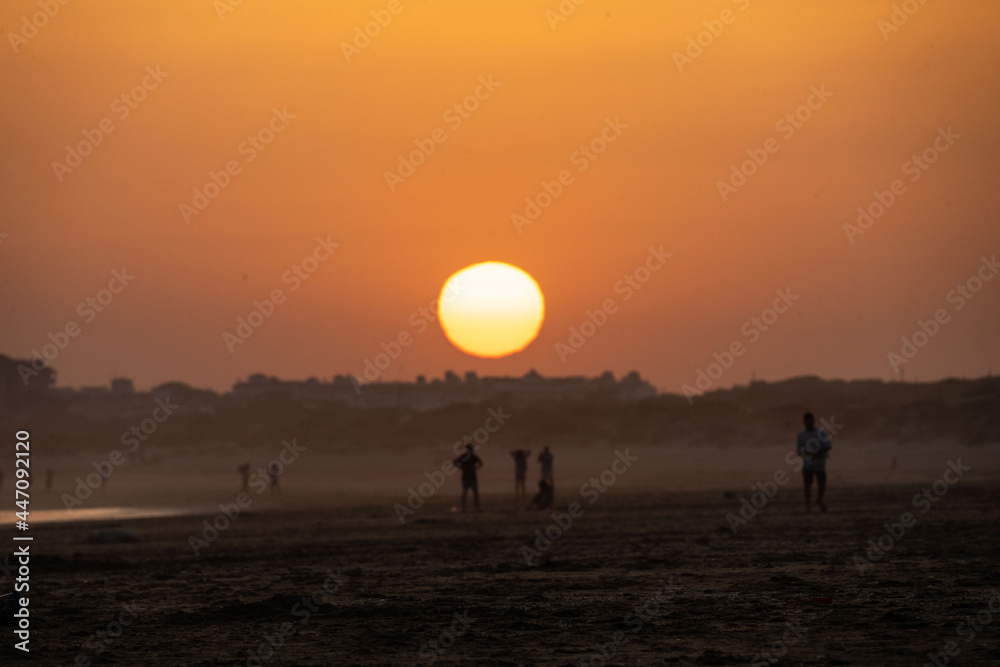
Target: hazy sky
[{"x": 328, "y": 121}]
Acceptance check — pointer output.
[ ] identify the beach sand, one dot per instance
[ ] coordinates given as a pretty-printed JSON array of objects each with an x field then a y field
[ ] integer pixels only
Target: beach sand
[{"x": 642, "y": 578}]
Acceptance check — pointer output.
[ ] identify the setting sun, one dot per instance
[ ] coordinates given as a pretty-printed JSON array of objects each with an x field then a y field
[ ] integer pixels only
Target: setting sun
[{"x": 491, "y": 309}]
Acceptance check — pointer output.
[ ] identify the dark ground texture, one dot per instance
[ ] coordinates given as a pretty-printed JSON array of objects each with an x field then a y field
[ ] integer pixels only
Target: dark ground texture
[{"x": 664, "y": 572}]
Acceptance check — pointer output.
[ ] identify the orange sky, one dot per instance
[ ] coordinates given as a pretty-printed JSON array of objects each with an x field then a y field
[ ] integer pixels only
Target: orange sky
[{"x": 552, "y": 91}]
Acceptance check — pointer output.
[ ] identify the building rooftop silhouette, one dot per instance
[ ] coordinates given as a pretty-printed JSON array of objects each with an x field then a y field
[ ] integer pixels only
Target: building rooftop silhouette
[
  {"x": 120, "y": 396},
  {"x": 436, "y": 393}
]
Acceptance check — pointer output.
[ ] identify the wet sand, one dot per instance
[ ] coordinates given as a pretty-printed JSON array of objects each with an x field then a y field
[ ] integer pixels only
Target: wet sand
[{"x": 642, "y": 578}]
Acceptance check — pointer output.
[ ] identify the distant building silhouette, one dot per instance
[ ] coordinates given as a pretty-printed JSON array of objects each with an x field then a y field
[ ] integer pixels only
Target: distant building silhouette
[
  {"x": 122, "y": 387},
  {"x": 424, "y": 395},
  {"x": 120, "y": 397}
]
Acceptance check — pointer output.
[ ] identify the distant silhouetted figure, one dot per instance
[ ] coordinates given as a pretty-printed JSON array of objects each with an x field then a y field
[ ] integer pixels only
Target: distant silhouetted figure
[
  {"x": 469, "y": 463},
  {"x": 48, "y": 479},
  {"x": 542, "y": 499},
  {"x": 273, "y": 472},
  {"x": 245, "y": 476},
  {"x": 520, "y": 470},
  {"x": 545, "y": 458},
  {"x": 813, "y": 445}
]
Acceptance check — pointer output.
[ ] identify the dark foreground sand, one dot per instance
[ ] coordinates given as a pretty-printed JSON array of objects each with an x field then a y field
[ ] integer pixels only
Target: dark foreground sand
[{"x": 648, "y": 579}]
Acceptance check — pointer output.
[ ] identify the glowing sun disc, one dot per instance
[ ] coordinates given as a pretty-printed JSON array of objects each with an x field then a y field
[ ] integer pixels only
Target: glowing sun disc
[{"x": 491, "y": 309}]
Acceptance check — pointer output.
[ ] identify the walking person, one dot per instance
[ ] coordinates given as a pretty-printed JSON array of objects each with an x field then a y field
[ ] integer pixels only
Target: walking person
[
  {"x": 469, "y": 463},
  {"x": 813, "y": 445}
]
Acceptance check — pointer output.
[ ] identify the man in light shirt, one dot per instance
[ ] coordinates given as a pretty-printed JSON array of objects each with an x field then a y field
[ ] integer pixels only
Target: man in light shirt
[{"x": 813, "y": 445}]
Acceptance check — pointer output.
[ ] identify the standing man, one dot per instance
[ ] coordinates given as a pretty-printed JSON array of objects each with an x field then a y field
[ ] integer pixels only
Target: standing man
[
  {"x": 545, "y": 458},
  {"x": 469, "y": 463},
  {"x": 520, "y": 470},
  {"x": 813, "y": 445}
]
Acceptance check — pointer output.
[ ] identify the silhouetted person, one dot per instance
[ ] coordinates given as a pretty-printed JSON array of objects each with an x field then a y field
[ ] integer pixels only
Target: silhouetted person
[
  {"x": 469, "y": 463},
  {"x": 545, "y": 458},
  {"x": 520, "y": 470},
  {"x": 813, "y": 445},
  {"x": 48, "y": 479},
  {"x": 273, "y": 472},
  {"x": 245, "y": 476},
  {"x": 542, "y": 499}
]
